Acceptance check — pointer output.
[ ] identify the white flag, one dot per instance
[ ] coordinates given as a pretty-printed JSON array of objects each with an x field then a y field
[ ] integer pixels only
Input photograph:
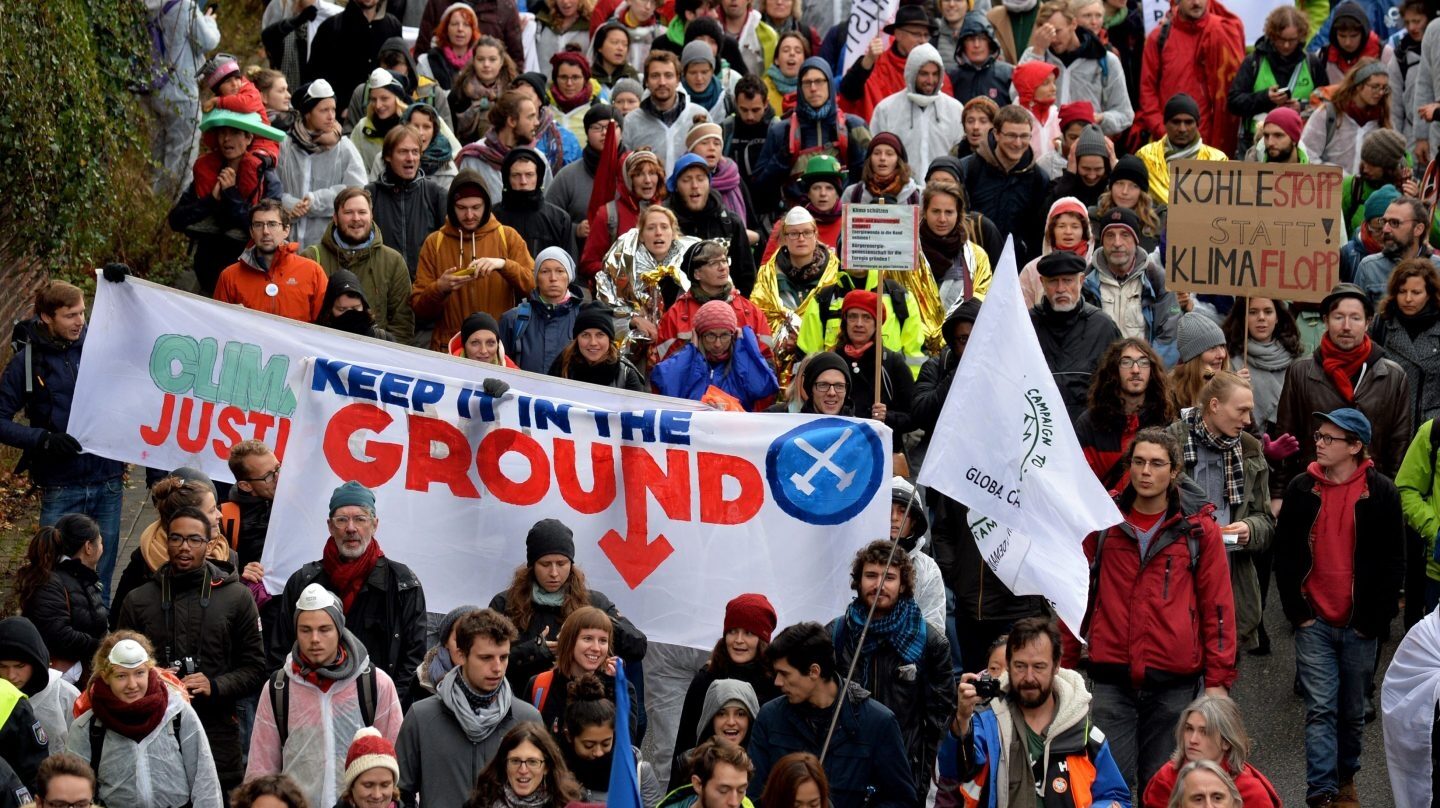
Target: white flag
[
  {"x": 1004, "y": 447},
  {"x": 867, "y": 18}
]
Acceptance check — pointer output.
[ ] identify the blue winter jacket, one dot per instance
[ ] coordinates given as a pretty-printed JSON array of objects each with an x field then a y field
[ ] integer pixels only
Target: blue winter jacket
[
  {"x": 53, "y": 369},
  {"x": 866, "y": 761},
  {"x": 535, "y": 332},
  {"x": 747, "y": 376}
]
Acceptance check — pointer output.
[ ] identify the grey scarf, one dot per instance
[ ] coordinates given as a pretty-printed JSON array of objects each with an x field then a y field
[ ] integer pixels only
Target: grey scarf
[
  {"x": 1019, "y": 6},
  {"x": 351, "y": 660},
  {"x": 478, "y": 723}
]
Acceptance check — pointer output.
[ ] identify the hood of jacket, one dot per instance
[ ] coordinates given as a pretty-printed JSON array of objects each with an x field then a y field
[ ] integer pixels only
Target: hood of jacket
[
  {"x": 282, "y": 253},
  {"x": 517, "y": 153},
  {"x": 976, "y": 23},
  {"x": 396, "y": 44},
  {"x": 20, "y": 640},
  {"x": 802, "y": 107},
  {"x": 468, "y": 177},
  {"x": 919, "y": 56},
  {"x": 342, "y": 282},
  {"x": 903, "y": 493},
  {"x": 720, "y": 693},
  {"x": 1072, "y": 701},
  {"x": 1351, "y": 12}
]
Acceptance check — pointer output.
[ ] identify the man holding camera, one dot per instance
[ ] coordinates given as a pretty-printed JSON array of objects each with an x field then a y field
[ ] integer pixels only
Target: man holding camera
[
  {"x": 205, "y": 628},
  {"x": 1054, "y": 755}
]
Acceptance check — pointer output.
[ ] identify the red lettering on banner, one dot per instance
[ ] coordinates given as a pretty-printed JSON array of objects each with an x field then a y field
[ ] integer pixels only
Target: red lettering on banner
[
  {"x": 383, "y": 458},
  {"x": 671, "y": 486},
  {"x": 226, "y": 422},
  {"x": 155, "y": 435},
  {"x": 183, "y": 437},
  {"x": 262, "y": 423},
  {"x": 567, "y": 477},
  {"x": 230, "y": 424},
  {"x": 495, "y": 446},
  {"x": 714, "y": 508},
  {"x": 425, "y": 468}
]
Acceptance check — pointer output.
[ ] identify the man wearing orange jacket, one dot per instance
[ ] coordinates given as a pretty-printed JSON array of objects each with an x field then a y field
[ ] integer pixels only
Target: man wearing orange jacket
[{"x": 270, "y": 276}]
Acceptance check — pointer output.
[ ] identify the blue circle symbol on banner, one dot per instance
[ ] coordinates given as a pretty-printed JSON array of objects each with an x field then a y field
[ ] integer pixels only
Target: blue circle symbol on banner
[{"x": 825, "y": 471}]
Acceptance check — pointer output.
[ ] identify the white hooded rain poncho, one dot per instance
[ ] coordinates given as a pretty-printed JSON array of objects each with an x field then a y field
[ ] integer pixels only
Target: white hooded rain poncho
[{"x": 928, "y": 125}]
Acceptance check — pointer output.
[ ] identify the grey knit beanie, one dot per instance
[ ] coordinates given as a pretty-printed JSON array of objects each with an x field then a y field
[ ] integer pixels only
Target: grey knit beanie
[{"x": 1197, "y": 334}]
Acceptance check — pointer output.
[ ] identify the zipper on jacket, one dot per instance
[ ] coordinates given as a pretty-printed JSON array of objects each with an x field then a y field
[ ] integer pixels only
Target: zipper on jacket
[{"x": 1168, "y": 563}]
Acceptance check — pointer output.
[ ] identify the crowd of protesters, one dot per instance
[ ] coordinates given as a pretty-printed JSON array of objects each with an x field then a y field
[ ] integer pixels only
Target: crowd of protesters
[{"x": 650, "y": 196}]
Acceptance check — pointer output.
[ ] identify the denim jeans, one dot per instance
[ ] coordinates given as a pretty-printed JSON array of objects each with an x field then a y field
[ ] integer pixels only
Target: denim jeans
[
  {"x": 1140, "y": 725},
  {"x": 99, "y": 501},
  {"x": 1334, "y": 665},
  {"x": 953, "y": 634}
]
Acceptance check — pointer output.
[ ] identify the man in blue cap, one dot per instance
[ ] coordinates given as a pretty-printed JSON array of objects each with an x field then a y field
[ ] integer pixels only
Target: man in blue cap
[
  {"x": 383, "y": 601},
  {"x": 1339, "y": 597}
]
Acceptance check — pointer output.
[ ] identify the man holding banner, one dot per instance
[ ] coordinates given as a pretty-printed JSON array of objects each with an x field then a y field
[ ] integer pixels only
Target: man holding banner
[{"x": 383, "y": 600}]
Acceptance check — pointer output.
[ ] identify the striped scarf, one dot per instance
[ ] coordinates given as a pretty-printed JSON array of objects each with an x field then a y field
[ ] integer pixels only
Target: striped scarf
[
  {"x": 903, "y": 629},
  {"x": 1229, "y": 448}
]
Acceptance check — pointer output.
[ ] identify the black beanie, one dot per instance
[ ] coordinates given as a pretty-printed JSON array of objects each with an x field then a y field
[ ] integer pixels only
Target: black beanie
[
  {"x": 704, "y": 26},
  {"x": 1131, "y": 168},
  {"x": 1180, "y": 104},
  {"x": 478, "y": 321},
  {"x": 20, "y": 641},
  {"x": 594, "y": 315},
  {"x": 598, "y": 113},
  {"x": 549, "y": 537},
  {"x": 536, "y": 81}
]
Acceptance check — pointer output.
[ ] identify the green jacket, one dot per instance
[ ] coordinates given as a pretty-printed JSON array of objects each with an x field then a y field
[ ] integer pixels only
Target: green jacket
[
  {"x": 383, "y": 274},
  {"x": 1254, "y": 512},
  {"x": 1420, "y": 494}
]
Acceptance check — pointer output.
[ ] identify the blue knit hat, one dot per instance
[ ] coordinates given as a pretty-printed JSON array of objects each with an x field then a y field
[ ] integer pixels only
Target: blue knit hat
[
  {"x": 1379, "y": 200},
  {"x": 352, "y": 493},
  {"x": 690, "y": 160}
]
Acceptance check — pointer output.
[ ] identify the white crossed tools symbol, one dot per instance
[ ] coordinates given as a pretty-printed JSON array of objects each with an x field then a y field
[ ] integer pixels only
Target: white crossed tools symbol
[{"x": 822, "y": 461}]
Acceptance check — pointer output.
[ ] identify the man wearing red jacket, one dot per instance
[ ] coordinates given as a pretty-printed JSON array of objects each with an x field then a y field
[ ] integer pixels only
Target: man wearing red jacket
[
  {"x": 1203, "y": 45},
  {"x": 880, "y": 71},
  {"x": 1162, "y": 615}
]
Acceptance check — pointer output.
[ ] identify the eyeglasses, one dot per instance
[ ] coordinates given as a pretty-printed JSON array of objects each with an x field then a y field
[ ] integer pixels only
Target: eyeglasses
[
  {"x": 525, "y": 763},
  {"x": 1321, "y": 439},
  {"x": 1141, "y": 463},
  {"x": 798, "y": 235},
  {"x": 1383, "y": 89},
  {"x": 266, "y": 226},
  {"x": 813, "y": 82},
  {"x": 193, "y": 539},
  {"x": 1127, "y": 362},
  {"x": 830, "y": 387},
  {"x": 1014, "y": 137},
  {"x": 1396, "y": 223},
  {"x": 56, "y": 804},
  {"x": 717, "y": 337},
  {"x": 268, "y": 477},
  {"x": 345, "y": 521}
]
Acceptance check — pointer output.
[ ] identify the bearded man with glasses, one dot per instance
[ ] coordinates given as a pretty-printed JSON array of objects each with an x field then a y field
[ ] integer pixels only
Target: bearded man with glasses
[{"x": 383, "y": 601}]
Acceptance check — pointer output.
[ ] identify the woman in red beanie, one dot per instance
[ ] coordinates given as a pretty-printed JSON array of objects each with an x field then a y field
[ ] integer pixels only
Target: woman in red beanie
[
  {"x": 856, "y": 345},
  {"x": 739, "y": 654}
]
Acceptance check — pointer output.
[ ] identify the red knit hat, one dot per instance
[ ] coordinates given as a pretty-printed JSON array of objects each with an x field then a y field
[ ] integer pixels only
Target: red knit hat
[
  {"x": 717, "y": 315},
  {"x": 369, "y": 750},
  {"x": 1076, "y": 112},
  {"x": 861, "y": 299},
  {"x": 753, "y": 613}
]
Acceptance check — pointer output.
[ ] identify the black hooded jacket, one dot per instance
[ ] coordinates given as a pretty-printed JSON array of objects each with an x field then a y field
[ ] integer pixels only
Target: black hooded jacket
[
  {"x": 1244, "y": 102},
  {"x": 990, "y": 79},
  {"x": 347, "y": 47},
  {"x": 69, "y": 613},
  {"x": 540, "y": 223},
  {"x": 344, "y": 282},
  {"x": 714, "y": 221}
]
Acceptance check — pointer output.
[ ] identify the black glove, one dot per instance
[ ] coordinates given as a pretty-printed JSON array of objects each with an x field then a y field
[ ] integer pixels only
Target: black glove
[
  {"x": 59, "y": 443},
  {"x": 115, "y": 272},
  {"x": 495, "y": 388}
]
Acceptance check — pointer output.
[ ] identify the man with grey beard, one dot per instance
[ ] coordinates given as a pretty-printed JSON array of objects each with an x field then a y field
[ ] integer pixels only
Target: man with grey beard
[{"x": 1073, "y": 334}]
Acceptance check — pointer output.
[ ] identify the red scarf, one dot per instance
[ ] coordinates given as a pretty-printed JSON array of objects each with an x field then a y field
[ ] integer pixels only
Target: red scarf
[
  {"x": 857, "y": 351},
  {"x": 312, "y": 675},
  {"x": 347, "y": 577},
  {"x": 136, "y": 719},
  {"x": 1346, "y": 61},
  {"x": 568, "y": 103},
  {"x": 1363, "y": 115},
  {"x": 1342, "y": 366}
]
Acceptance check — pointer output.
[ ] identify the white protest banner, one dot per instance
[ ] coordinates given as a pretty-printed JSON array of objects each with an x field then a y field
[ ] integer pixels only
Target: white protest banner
[
  {"x": 1005, "y": 448},
  {"x": 674, "y": 512},
  {"x": 881, "y": 237},
  {"x": 170, "y": 379},
  {"x": 867, "y": 17}
]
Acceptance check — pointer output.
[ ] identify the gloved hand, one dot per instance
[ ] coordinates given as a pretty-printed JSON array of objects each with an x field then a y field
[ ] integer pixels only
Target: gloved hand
[
  {"x": 495, "y": 388},
  {"x": 115, "y": 272},
  {"x": 61, "y": 444},
  {"x": 1280, "y": 448}
]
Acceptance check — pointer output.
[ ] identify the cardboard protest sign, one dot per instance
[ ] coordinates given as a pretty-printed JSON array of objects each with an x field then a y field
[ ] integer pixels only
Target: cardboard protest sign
[
  {"x": 882, "y": 237},
  {"x": 169, "y": 379},
  {"x": 674, "y": 512},
  {"x": 1254, "y": 229}
]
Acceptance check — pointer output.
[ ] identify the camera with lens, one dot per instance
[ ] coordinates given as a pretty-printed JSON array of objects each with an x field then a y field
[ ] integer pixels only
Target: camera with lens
[
  {"x": 986, "y": 687},
  {"x": 185, "y": 667}
]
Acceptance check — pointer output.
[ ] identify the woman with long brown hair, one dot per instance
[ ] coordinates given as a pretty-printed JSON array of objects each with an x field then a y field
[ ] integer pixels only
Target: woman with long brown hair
[
  {"x": 527, "y": 771},
  {"x": 478, "y": 86},
  {"x": 1408, "y": 328},
  {"x": 1128, "y": 392},
  {"x": 594, "y": 356},
  {"x": 545, "y": 591},
  {"x": 797, "y": 781},
  {"x": 885, "y": 178},
  {"x": 1361, "y": 105},
  {"x": 59, "y": 590},
  {"x": 1261, "y": 335}
]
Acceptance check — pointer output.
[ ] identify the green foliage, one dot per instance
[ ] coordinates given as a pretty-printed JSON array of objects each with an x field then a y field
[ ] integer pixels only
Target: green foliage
[{"x": 76, "y": 186}]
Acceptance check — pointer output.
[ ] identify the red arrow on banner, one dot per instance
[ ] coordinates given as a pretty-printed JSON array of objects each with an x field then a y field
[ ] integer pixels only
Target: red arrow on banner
[{"x": 634, "y": 556}]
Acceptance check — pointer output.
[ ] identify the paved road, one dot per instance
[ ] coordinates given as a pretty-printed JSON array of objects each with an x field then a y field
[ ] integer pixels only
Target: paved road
[{"x": 1275, "y": 717}]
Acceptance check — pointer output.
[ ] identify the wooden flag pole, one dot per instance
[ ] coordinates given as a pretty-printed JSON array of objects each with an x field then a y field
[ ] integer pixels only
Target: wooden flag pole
[{"x": 879, "y": 330}]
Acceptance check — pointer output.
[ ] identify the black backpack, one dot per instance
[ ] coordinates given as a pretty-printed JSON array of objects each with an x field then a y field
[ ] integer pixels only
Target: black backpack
[{"x": 280, "y": 700}]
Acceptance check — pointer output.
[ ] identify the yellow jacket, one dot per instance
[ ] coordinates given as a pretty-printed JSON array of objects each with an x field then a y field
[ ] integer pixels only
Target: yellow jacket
[
  {"x": 1153, "y": 155},
  {"x": 910, "y": 338}
]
